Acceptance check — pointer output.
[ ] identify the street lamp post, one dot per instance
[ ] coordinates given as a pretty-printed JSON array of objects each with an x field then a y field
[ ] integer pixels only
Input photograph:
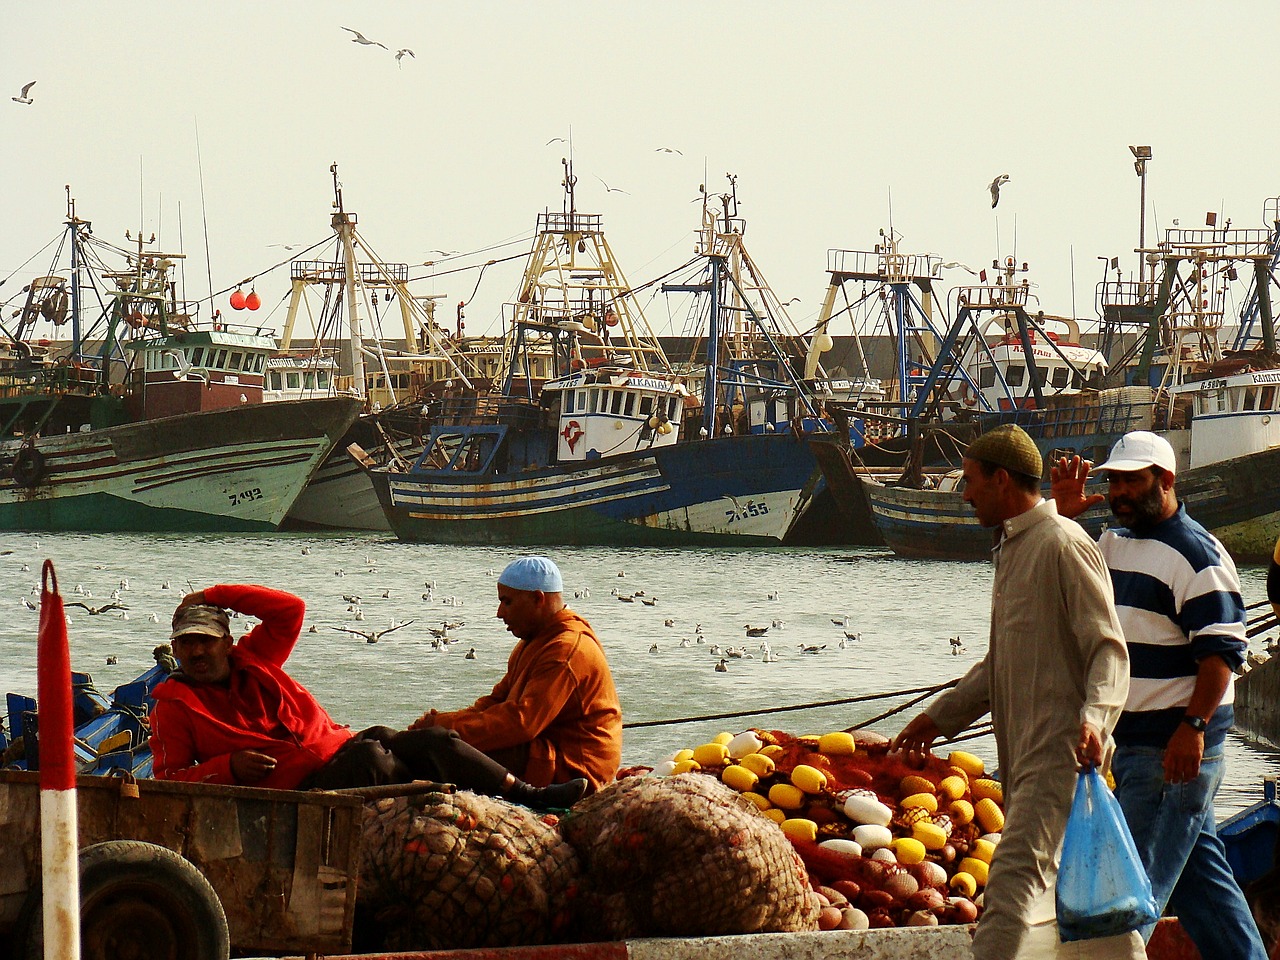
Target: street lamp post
[{"x": 1140, "y": 157}]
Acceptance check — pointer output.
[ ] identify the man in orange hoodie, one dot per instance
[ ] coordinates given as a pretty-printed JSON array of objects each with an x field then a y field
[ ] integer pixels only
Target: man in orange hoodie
[
  {"x": 232, "y": 715},
  {"x": 555, "y": 715}
]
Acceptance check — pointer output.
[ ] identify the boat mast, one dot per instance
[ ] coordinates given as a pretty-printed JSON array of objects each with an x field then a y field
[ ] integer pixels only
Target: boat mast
[
  {"x": 573, "y": 286},
  {"x": 73, "y": 228},
  {"x": 344, "y": 225}
]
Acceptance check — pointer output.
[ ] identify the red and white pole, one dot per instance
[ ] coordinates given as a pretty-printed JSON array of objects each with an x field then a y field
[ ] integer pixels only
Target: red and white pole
[{"x": 59, "y": 841}]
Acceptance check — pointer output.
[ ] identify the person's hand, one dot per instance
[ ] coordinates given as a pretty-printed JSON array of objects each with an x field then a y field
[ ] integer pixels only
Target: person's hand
[
  {"x": 251, "y": 766},
  {"x": 1089, "y": 749},
  {"x": 1183, "y": 755},
  {"x": 917, "y": 736},
  {"x": 1066, "y": 486}
]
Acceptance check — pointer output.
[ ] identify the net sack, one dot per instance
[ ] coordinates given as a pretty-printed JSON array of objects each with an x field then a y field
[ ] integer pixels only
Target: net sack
[
  {"x": 444, "y": 871},
  {"x": 684, "y": 856}
]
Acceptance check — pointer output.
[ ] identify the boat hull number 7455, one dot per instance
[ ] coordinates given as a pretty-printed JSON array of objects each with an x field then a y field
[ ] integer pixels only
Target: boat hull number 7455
[{"x": 744, "y": 511}]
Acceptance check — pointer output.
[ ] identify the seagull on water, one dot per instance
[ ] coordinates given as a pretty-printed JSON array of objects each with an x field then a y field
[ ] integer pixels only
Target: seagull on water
[
  {"x": 23, "y": 96},
  {"x": 811, "y": 648},
  {"x": 995, "y": 186},
  {"x": 361, "y": 38}
]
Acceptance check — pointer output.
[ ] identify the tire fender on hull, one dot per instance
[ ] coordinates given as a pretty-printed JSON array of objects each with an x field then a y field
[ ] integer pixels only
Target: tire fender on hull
[{"x": 28, "y": 467}]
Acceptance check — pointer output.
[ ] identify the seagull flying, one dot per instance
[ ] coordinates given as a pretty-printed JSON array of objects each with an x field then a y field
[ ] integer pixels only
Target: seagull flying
[
  {"x": 609, "y": 189},
  {"x": 995, "y": 186},
  {"x": 555, "y": 140},
  {"x": 22, "y": 97},
  {"x": 94, "y": 611},
  {"x": 372, "y": 636},
  {"x": 400, "y": 54},
  {"x": 669, "y": 150},
  {"x": 361, "y": 38}
]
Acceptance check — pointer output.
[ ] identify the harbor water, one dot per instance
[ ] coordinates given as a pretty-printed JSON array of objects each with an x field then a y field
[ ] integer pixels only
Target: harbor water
[{"x": 901, "y": 615}]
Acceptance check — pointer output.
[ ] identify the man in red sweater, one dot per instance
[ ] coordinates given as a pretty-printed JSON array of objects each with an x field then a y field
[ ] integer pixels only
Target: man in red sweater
[
  {"x": 232, "y": 715},
  {"x": 555, "y": 715}
]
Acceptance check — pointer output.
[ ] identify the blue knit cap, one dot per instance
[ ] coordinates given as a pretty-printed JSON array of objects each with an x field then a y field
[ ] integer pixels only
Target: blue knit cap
[{"x": 532, "y": 573}]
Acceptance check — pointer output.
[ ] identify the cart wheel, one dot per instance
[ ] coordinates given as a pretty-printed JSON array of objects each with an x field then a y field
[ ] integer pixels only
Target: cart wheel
[{"x": 140, "y": 901}]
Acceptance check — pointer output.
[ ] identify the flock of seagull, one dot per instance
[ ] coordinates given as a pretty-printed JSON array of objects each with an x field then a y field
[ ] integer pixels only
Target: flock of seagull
[{"x": 722, "y": 655}]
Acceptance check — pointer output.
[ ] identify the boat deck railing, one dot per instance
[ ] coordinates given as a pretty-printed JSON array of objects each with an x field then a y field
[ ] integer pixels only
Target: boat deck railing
[
  {"x": 1128, "y": 293},
  {"x": 1213, "y": 244},
  {"x": 369, "y": 274},
  {"x": 474, "y": 411},
  {"x": 995, "y": 296},
  {"x": 882, "y": 265},
  {"x": 58, "y": 379},
  {"x": 1107, "y": 413},
  {"x": 551, "y": 222}
]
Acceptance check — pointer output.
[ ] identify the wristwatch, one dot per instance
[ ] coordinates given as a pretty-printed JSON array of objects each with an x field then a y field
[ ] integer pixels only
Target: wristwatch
[{"x": 1195, "y": 723}]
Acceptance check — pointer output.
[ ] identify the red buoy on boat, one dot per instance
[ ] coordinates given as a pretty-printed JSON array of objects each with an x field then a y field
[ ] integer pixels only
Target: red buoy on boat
[
  {"x": 253, "y": 301},
  {"x": 237, "y": 300}
]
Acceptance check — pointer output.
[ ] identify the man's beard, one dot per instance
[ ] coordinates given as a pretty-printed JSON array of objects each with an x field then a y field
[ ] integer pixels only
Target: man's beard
[{"x": 1148, "y": 509}]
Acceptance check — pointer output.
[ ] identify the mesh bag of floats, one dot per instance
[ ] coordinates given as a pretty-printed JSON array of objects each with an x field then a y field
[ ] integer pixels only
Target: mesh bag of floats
[
  {"x": 445, "y": 871},
  {"x": 684, "y": 856}
]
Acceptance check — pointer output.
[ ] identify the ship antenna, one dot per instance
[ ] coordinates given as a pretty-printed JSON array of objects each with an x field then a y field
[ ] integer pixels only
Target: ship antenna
[
  {"x": 569, "y": 182},
  {"x": 204, "y": 216},
  {"x": 890, "y": 213},
  {"x": 337, "y": 187}
]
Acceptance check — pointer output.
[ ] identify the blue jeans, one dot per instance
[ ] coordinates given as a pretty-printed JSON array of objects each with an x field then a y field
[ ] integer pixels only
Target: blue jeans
[{"x": 1173, "y": 828}]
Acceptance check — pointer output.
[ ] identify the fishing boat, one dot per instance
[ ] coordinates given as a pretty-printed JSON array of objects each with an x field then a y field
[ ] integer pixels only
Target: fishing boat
[
  {"x": 355, "y": 285},
  {"x": 163, "y": 429},
  {"x": 610, "y": 449},
  {"x": 1218, "y": 409}
]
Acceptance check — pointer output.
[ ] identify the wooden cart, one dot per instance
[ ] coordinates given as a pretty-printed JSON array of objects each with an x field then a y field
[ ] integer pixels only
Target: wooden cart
[{"x": 281, "y": 865}]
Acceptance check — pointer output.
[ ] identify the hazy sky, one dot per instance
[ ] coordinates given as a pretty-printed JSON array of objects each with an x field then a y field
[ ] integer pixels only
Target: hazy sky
[{"x": 823, "y": 111}]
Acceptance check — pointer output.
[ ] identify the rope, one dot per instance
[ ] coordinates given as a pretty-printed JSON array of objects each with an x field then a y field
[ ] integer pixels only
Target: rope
[{"x": 924, "y": 692}]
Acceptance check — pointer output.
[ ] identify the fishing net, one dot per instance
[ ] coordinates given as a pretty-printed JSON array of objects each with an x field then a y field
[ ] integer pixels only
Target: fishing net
[
  {"x": 684, "y": 856},
  {"x": 446, "y": 871}
]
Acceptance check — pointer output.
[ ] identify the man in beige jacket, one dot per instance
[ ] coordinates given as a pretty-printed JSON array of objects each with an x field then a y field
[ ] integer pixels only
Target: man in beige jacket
[{"x": 1054, "y": 680}]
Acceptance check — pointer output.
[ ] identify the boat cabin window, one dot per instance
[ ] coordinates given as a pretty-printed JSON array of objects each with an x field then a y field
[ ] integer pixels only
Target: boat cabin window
[
  {"x": 646, "y": 406},
  {"x": 221, "y": 360},
  {"x": 1250, "y": 398},
  {"x": 1013, "y": 376},
  {"x": 616, "y": 407},
  {"x": 1268, "y": 400},
  {"x": 631, "y": 405},
  {"x": 672, "y": 408},
  {"x": 1060, "y": 375},
  {"x": 293, "y": 379},
  {"x": 274, "y": 379},
  {"x": 1042, "y": 375},
  {"x": 595, "y": 401},
  {"x": 322, "y": 378},
  {"x": 1077, "y": 380},
  {"x": 197, "y": 356},
  {"x": 987, "y": 377},
  {"x": 309, "y": 380}
]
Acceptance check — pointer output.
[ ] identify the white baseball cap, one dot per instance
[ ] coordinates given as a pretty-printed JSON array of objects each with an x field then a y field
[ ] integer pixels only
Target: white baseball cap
[{"x": 1139, "y": 450}]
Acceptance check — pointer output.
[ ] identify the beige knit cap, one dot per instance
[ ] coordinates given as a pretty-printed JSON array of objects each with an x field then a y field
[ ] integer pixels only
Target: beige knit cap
[{"x": 1008, "y": 446}]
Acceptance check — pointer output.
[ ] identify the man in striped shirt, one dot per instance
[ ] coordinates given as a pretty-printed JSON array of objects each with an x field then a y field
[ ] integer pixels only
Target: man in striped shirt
[{"x": 1178, "y": 600}]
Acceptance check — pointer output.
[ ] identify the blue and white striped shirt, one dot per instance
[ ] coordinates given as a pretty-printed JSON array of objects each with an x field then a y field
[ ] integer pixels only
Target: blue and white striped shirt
[{"x": 1178, "y": 600}]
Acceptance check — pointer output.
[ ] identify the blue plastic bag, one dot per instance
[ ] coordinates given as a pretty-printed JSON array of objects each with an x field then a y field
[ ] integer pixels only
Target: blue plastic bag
[{"x": 1103, "y": 888}]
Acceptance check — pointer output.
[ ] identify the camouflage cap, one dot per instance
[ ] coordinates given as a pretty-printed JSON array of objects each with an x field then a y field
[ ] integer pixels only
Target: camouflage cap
[{"x": 201, "y": 618}]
